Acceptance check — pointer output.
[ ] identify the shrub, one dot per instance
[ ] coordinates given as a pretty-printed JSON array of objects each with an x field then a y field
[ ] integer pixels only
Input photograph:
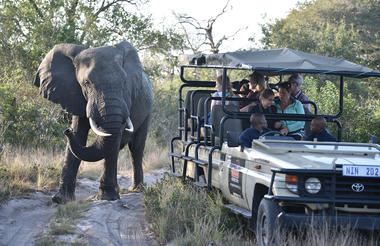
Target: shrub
[
  {"x": 190, "y": 216},
  {"x": 360, "y": 116},
  {"x": 26, "y": 118},
  {"x": 164, "y": 121},
  {"x": 26, "y": 170}
]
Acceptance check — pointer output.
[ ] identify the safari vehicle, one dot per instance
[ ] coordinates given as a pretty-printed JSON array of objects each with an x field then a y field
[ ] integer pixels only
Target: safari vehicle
[{"x": 279, "y": 181}]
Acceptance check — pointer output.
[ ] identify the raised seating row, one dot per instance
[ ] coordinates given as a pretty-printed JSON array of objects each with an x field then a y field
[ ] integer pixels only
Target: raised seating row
[{"x": 196, "y": 108}]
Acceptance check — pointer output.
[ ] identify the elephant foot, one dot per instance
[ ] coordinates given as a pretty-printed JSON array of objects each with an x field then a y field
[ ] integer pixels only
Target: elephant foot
[
  {"x": 136, "y": 187},
  {"x": 63, "y": 197},
  {"x": 109, "y": 194}
]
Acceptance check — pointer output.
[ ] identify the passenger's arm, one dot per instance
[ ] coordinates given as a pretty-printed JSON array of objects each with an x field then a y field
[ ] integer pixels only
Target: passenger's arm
[
  {"x": 213, "y": 103},
  {"x": 245, "y": 108},
  {"x": 297, "y": 125}
]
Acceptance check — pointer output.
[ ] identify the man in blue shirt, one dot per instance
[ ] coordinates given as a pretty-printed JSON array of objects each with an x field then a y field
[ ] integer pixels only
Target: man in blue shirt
[
  {"x": 258, "y": 126},
  {"x": 319, "y": 132}
]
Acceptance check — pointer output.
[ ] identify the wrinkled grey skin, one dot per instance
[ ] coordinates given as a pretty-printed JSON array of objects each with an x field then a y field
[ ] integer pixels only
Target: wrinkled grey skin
[{"x": 108, "y": 85}]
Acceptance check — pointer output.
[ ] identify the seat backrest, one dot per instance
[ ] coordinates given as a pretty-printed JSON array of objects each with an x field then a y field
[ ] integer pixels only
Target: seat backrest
[
  {"x": 201, "y": 108},
  {"x": 196, "y": 97},
  {"x": 307, "y": 124},
  {"x": 229, "y": 125}
]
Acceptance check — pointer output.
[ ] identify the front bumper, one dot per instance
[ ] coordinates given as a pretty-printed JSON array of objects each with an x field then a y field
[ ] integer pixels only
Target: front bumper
[{"x": 362, "y": 222}]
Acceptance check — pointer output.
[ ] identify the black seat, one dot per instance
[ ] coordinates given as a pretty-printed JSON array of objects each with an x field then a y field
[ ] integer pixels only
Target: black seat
[
  {"x": 230, "y": 124},
  {"x": 191, "y": 106}
]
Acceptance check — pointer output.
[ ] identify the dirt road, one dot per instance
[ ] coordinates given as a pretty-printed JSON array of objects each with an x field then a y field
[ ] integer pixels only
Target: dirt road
[{"x": 24, "y": 221}]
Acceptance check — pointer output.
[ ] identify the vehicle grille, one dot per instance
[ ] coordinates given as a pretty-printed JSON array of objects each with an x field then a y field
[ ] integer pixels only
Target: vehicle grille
[{"x": 344, "y": 190}]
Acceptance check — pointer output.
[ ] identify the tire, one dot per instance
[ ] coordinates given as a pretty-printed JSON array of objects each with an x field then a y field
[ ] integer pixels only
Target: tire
[{"x": 268, "y": 231}]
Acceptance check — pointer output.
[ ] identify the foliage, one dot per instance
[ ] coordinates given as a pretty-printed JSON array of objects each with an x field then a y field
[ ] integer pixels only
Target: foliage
[
  {"x": 360, "y": 117},
  {"x": 26, "y": 170},
  {"x": 164, "y": 121},
  {"x": 26, "y": 118},
  {"x": 29, "y": 30},
  {"x": 347, "y": 29},
  {"x": 199, "y": 218}
]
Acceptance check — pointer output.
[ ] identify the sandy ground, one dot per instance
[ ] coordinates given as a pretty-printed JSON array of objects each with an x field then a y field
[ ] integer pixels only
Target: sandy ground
[{"x": 23, "y": 221}]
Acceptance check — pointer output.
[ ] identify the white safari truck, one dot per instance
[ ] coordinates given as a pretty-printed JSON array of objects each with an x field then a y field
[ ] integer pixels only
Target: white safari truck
[{"x": 279, "y": 181}]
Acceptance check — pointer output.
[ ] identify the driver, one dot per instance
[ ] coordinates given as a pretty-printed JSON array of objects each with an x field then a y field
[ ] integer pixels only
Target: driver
[{"x": 258, "y": 126}]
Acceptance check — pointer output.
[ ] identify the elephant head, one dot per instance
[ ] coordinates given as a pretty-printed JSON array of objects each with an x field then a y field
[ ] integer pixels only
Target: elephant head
[{"x": 98, "y": 83}]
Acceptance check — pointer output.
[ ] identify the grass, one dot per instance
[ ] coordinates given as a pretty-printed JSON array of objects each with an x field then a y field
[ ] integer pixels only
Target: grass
[
  {"x": 63, "y": 224},
  {"x": 26, "y": 170},
  {"x": 182, "y": 214},
  {"x": 330, "y": 236},
  {"x": 65, "y": 216}
]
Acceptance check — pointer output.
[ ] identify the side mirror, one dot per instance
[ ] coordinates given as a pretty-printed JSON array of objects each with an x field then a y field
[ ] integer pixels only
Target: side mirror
[{"x": 233, "y": 138}]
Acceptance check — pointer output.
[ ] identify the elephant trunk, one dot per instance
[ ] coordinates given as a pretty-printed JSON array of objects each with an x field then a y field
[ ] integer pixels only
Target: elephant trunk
[
  {"x": 91, "y": 154},
  {"x": 101, "y": 146}
]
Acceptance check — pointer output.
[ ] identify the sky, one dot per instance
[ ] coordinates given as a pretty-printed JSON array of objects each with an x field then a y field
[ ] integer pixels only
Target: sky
[{"x": 247, "y": 14}]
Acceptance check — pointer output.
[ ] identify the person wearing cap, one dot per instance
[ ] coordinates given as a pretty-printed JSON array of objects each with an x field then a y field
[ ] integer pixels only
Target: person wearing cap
[
  {"x": 295, "y": 90},
  {"x": 319, "y": 132}
]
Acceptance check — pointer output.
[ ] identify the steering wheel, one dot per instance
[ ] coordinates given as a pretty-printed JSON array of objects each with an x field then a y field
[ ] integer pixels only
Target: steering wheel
[{"x": 272, "y": 133}]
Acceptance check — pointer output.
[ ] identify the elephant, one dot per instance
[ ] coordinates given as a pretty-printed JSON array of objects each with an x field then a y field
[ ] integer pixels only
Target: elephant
[{"x": 106, "y": 90}]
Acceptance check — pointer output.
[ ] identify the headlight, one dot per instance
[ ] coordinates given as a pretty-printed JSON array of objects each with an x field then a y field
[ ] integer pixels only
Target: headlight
[
  {"x": 313, "y": 185},
  {"x": 291, "y": 182}
]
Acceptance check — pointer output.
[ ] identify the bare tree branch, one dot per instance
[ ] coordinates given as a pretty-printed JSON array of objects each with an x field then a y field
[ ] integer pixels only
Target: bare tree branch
[
  {"x": 212, "y": 20},
  {"x": 105, "y": 7},
  {"x": 36, "y": 8},
  {"x": 207, "y": 29}
]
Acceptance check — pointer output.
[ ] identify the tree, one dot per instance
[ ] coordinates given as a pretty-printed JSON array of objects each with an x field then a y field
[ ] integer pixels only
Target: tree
[
  {"x": 340, "y": 28},
  {"x": 348, "y": 29},
  {"x": 30, "y": 28},
  {"x": 204, "y": 35}
]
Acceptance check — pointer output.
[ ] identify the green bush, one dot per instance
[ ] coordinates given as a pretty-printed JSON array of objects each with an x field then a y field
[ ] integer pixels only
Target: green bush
[
  {"x": 26, "y": 119},
  {"x": 164, "y": 121},
  {"x": 360, "y": 117}
]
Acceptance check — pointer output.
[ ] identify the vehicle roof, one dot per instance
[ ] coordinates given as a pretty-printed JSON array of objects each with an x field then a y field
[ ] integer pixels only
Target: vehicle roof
[{"x": 281, "y": 61}]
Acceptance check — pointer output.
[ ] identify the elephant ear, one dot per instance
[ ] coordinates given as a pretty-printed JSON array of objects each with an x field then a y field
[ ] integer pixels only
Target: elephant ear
[
  {"x": 132, "y": 66},
  {"x": 56, "y": 78}
]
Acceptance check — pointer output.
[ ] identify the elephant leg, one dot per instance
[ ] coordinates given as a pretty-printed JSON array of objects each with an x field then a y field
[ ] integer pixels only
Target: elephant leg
[
  {"x": 136, "y": 148},
  {"x": 108, "y": 188},
  {"x": 80, "y": 126}
]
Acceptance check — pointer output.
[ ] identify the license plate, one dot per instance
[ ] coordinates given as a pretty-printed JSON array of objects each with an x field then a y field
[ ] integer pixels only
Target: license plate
[{"x": 361, "y": 171}]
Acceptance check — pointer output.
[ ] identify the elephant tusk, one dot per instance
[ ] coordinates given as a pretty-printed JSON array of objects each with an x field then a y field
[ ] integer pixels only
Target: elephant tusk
[
  {"x": 130, "y": 125},
  {"x": 96, "y": 130}
]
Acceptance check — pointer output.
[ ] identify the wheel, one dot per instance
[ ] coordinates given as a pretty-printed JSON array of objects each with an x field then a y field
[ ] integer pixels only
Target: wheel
[
  {"x": 268, "y": 231},
  {"x": 272, "y": 133}
]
